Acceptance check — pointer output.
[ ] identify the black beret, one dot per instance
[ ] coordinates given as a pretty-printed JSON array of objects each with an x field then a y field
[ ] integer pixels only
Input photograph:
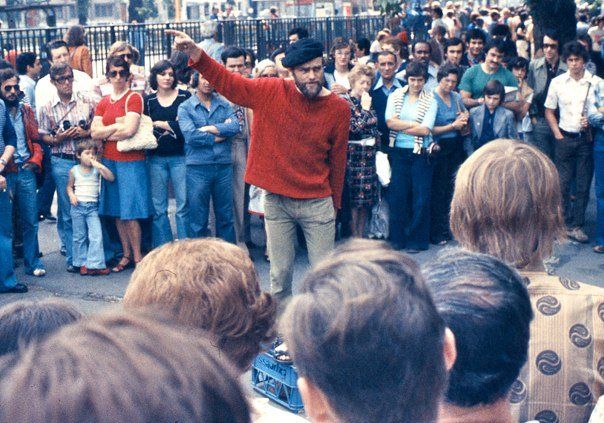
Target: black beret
[{"x": 301, "y": 52}]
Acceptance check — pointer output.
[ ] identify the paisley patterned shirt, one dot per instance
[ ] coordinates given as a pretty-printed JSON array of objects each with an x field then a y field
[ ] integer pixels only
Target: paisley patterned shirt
[{"x": 564, "y": 375}]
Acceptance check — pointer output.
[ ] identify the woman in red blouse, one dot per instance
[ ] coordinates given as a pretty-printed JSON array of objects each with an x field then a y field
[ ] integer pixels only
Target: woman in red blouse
[{"x": 126, "y": 198}]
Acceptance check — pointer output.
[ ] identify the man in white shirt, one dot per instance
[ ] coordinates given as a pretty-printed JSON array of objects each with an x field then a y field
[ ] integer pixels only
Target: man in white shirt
[
  {"x": 568, "y": 93},
  {"x": 45, "y": 90}
]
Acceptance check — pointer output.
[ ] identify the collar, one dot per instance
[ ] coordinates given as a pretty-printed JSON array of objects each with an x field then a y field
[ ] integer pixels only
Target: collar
[
  {"x": 214, "y": 103},
  {"x": 56, "y": 100},
  {"x": 587, "y": 77},
  {"x": 380, "y": 83}
]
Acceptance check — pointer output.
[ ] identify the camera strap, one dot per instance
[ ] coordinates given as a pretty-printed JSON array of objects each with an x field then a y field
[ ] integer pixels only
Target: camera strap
[{"x": 58, "y": 122}]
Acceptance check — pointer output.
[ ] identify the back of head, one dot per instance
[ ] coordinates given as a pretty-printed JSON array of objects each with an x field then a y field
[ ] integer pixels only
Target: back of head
[
  {"x": 24, "y": 60},
  {"x": 486, "y": 305},
  {"x": 122, "y": 367},
  {"x": 24, "y": 322},
  {"x": 211, "y": 285},
  {"x": 507, "y": 202},
  {"x": 365, "y": 332}
]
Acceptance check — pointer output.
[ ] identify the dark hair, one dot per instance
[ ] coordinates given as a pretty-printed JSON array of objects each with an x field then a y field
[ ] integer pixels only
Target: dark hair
[
  {"x": 339, "y": 43},
  {"x": 6, "y": 74},
  {"x": 161, "y": 371},
  {"x": 249, "y": 52},
  {"x": 363, "y": 44},
  {"x": 447, "y": 69},
  {"x": 440, "y": 30},
  {"x": 365, "y": 332},
  {"x": 386, "y": 53},
  {"x": 59, "y": 69},
  {"x": 76, "y": 36},
  {"x": 476, "y": 34},
  {"x": 451, "y": 42},
  {"x": 438, "y": 12},
  {"x": 486, "y": 305},
  {"x": 180, "y": 64},
  {"x": 301, "y": 32},
  {"x": 160, "y": 67},
  {"x": 421, "y": 42},
  {"x": 116, "y": 62},
  {"x": 232, "y": 52},
  {"x": 518, "y": 63},
  {"x": 24, "y": 60},
  {"x": 417, "y": 68},
  {"x": 277, "y": 52},
  {"x": 587, "y": 39},
  {"x": 5, "y": 64},
  {"x": 554, "y": 35},
  {"x": 495, "y": 43},
  {"x": 500, "y": 30},
  {"x": 88, "y": 144},
  {"x": 24, "y": 322},
  {"x": 55, "y": 45},
  {"x": 494, "y": 87},
  {"x": 575, "y": 48}
]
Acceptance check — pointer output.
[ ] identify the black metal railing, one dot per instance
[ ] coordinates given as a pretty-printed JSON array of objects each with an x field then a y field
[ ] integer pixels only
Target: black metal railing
[{"x": 261, "y": 35}]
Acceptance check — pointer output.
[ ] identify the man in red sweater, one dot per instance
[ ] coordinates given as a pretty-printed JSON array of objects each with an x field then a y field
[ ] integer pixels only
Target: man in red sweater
[{"x": 297, "y": 151}]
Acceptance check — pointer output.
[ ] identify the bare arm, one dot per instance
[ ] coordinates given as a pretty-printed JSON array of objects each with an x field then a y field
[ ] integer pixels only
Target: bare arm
[
  {"x": 98, "y": 131},
  {"x": 550, "y": 115},
  {"x": 126, "y": 126},
  {"x": 103, "y": 170},
  {"x": 70, "y": 189},
  {"x": 468, "y": 101},
  {"x": 397, "y": 124}
]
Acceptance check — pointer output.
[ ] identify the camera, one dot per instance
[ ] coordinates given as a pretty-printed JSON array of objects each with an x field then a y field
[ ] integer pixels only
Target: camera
[
  {"x": 83, "y": 124},
  {"x": 66, "y": 125}
]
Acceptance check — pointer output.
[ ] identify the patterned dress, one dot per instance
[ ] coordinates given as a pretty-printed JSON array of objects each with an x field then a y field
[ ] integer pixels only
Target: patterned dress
[{"x": 361, "y": 176}]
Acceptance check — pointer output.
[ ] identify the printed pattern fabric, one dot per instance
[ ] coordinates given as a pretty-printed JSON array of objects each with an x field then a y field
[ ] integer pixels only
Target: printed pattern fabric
[
  {"x": 361, "y": 173},
  {"x": 564, "y": 374}
]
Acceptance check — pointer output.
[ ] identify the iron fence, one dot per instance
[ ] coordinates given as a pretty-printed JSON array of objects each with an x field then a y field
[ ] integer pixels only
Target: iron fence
[{"x": 261, "y": 35}]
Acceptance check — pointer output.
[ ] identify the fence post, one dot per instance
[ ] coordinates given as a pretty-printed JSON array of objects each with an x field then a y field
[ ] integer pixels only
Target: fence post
[
  {"x": 112, "y": 33},
  {"x": 168, "y": 43}
]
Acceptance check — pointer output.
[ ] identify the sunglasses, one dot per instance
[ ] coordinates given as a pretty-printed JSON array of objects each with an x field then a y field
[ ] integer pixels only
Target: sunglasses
[
  {"x": 550, "y": 46},
  {"x": 10, "y": 88},
  {"x": 63, "y": 79},
  {"x": 123, "y": 73},
  {"x": 126, "y": 56},
  {"x": 269, "y": 76}
]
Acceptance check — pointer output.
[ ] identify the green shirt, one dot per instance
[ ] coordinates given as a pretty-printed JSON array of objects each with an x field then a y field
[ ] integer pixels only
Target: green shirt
[{"x": 474, "y": 80}]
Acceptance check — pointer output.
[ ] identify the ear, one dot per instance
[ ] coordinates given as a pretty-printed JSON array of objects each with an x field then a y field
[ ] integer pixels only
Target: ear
[
  {"x": 449, "y": 349},
  {"x": 315, "y": 403}
]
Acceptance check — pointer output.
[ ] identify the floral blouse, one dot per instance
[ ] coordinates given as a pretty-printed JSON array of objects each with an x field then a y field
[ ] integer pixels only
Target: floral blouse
[{"x": 363, "y": 123}]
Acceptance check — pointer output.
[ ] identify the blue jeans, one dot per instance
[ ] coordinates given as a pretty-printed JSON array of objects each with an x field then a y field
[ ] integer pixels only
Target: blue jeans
[
  {"x": 599, "y": 175},
  {"x": 163, "y": 169},
  {"x": 215, "y": 182},
  {"x": 7, "y": 270},
  {"x": 60, "y": 174},
  {"x": 409, "y": 199},
  {"x": 23, "y": 188},
  {"x": 87, "y": 236},
  {"x": 47, "y": 190}
]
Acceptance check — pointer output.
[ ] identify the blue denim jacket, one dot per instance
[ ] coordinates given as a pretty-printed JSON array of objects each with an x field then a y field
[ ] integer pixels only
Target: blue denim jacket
[
  {"x": 201, "y": 147},
  {"x": 596, "y": 119}
]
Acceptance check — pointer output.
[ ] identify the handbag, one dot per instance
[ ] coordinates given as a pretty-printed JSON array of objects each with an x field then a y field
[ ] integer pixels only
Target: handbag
[
  {"x": 143, "y": 139},
  {"x": 382, "y": 168},
  {"x": 466, "y": 129},
  {"x": 379, "y": 226}
]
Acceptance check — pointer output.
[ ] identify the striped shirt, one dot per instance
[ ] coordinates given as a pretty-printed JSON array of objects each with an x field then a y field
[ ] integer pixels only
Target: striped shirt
[{"x": 55, "y": 112}]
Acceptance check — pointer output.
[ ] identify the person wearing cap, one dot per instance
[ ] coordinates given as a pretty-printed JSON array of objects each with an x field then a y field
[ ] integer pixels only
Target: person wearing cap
[{"x": 297, "y": 150}]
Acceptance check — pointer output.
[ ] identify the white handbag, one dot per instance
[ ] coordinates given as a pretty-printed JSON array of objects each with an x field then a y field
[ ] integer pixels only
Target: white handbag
[
  {"x": 382, "y": 168},
  {"x": 143, "y": 139}
]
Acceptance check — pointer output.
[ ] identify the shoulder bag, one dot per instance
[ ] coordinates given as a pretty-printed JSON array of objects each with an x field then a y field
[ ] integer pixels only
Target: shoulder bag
[{"x": 143, "y": 139}]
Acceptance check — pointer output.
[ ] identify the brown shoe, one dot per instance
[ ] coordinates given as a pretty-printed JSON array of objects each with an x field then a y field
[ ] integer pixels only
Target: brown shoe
[
  {"x": 84, "y": 271},
  {"x": 98, "y": 272}
]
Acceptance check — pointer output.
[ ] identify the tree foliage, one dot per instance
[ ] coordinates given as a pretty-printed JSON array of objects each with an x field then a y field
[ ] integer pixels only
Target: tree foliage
[
  {"x": 388, "y": 7},
  {"x": 141, "y": 10},
  {"x": 558, "y": 15}
]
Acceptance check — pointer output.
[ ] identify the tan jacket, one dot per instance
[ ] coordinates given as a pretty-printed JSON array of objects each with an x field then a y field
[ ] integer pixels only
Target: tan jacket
[
  {"x": 564, "y": 375},
  {"x": 79, "y": 58}
]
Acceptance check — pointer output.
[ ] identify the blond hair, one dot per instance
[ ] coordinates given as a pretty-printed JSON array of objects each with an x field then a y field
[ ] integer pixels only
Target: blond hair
[
  {"x": 211, "y": 285},
  {"x": 120, "y": 46},
  {"x": 507, "y": 202},
  {"x": 358, "y": 71}
]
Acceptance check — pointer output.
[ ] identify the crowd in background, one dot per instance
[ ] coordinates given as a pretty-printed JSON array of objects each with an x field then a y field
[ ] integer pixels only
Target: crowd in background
[{"x": 479, "y": 134}]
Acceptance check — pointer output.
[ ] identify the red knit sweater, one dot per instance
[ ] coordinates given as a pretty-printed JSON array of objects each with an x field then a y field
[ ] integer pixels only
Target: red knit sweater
[{"x": 298, "y": 146}]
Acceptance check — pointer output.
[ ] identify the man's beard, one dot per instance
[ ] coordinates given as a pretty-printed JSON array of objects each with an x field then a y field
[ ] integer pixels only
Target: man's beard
[
  {"x": 306, "y": 91},
  {"x": 11, "y": 103}
]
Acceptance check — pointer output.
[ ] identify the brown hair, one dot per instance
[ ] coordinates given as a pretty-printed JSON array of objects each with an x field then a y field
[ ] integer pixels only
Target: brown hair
[
  {"x": 120, "y": 46},
  {"x": 365, "y": 332},
  {"x": 358, "y": 71},
  {"x": 24, "y": 322},
  {"x": 87, "y": 144},
  {"x": 122, "y": 367},
  {"x": 507, "y": 202},
  {"x": 209, "y": 284}
]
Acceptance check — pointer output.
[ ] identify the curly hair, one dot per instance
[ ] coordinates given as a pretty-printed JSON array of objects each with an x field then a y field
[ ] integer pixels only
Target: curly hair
[
  {"x": 209, "y": 284},
  {"x": 358, "y": 71}
]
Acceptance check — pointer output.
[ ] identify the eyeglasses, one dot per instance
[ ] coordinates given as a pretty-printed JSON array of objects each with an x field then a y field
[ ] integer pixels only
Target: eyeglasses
[
  {"x": 550, "y": 46},
  {"x": 269, "y": 76},
  {"x": 9, "y": 88},
  {"x": 126, "y": 56},
  {"x": 63, "y": 79},
  {"x": 122, "y": 73}
]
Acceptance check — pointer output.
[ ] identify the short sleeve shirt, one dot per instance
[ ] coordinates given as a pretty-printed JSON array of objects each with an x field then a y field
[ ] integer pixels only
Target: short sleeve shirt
[
  {"x": 475, "y": 79},
  {"x": 408, "y": 112},
  {"x": 111, "y": 110},
  {"x": 446, "y": 115}
]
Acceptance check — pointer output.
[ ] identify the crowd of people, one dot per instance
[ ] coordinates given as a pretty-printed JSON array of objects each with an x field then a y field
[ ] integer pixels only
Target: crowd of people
[{"x": 478, "y": 134}]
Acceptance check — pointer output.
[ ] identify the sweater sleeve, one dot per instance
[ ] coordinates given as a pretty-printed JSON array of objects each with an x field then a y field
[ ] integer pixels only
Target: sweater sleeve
[
  {"x": 237, "y": 89},
  {"x": 337, "y": 157}
]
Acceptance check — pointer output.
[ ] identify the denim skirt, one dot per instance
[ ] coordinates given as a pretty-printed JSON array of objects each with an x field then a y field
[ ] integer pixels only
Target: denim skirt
[{"x": 128, "y": 196}]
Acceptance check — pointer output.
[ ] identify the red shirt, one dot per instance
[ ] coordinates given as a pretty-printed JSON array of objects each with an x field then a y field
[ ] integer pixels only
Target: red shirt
[
  {"x": 110, "y": 111},
  {"x": 298, "y": 146}
]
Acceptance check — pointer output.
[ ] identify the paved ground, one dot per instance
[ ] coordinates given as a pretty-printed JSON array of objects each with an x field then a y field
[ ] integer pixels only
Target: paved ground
[{"x": 93, "y": 294}]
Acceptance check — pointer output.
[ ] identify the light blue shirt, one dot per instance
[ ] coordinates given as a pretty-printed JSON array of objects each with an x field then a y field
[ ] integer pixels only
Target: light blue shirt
[
  {"x": 28, "y": 86},
  {"x": 396, "y": 83},
  {"x": 447, "y": 115},
  {"x": 408, "y": 112},
  {"x": 21, "y": 151}
]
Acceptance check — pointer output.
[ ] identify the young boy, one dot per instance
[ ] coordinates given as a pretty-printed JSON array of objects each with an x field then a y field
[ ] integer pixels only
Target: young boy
[
  {"x": 519, "y": 67},
  {"x": 491, "y": 120},
  {"x": 83, "y": 191}
]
